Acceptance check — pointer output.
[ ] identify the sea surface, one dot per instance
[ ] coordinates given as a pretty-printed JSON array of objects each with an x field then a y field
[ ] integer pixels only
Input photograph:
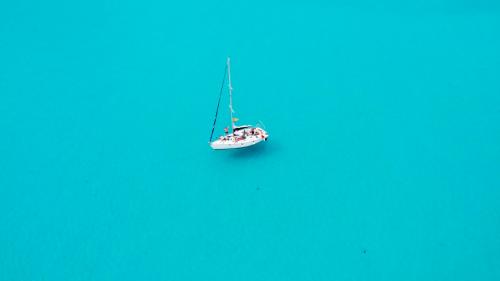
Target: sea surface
[{"x": 383, "y": 161}]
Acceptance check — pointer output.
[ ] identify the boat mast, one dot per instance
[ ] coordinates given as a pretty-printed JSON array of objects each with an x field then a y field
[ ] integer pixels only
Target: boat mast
[{"x": 230, "y": 92}]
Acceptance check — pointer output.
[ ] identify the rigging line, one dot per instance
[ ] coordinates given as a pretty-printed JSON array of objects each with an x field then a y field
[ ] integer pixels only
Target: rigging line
[{"x": 218, "y": 103}]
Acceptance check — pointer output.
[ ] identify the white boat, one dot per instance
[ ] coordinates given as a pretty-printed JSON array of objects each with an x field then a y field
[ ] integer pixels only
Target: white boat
[{"x": 240, "y": 136}]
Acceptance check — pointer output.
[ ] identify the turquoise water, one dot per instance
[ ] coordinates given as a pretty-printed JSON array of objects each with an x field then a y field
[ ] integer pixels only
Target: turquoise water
[{"x": 382, "y": 164}]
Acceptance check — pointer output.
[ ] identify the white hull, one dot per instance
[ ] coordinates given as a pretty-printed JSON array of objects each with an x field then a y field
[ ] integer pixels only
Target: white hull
[
  {"x": 241, "y": 138},
  {"x": 231, "y": 143}
]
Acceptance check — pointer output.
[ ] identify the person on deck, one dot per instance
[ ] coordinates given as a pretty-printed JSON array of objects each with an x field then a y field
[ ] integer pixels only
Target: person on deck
[{"x": 226, "y": 130}]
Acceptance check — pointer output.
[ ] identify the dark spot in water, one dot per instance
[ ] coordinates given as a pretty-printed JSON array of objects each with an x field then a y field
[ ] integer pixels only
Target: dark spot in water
[
  {"x": 258, "y": 188},
  {"x": 364, "y": 251}
]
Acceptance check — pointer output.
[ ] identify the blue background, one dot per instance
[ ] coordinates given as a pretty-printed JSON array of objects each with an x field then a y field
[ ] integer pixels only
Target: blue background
[{"x": 382, "y": 164}]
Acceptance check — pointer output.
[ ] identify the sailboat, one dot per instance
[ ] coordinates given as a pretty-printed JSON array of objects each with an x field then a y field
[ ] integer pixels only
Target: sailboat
[{"x": 240, "y": 136}]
